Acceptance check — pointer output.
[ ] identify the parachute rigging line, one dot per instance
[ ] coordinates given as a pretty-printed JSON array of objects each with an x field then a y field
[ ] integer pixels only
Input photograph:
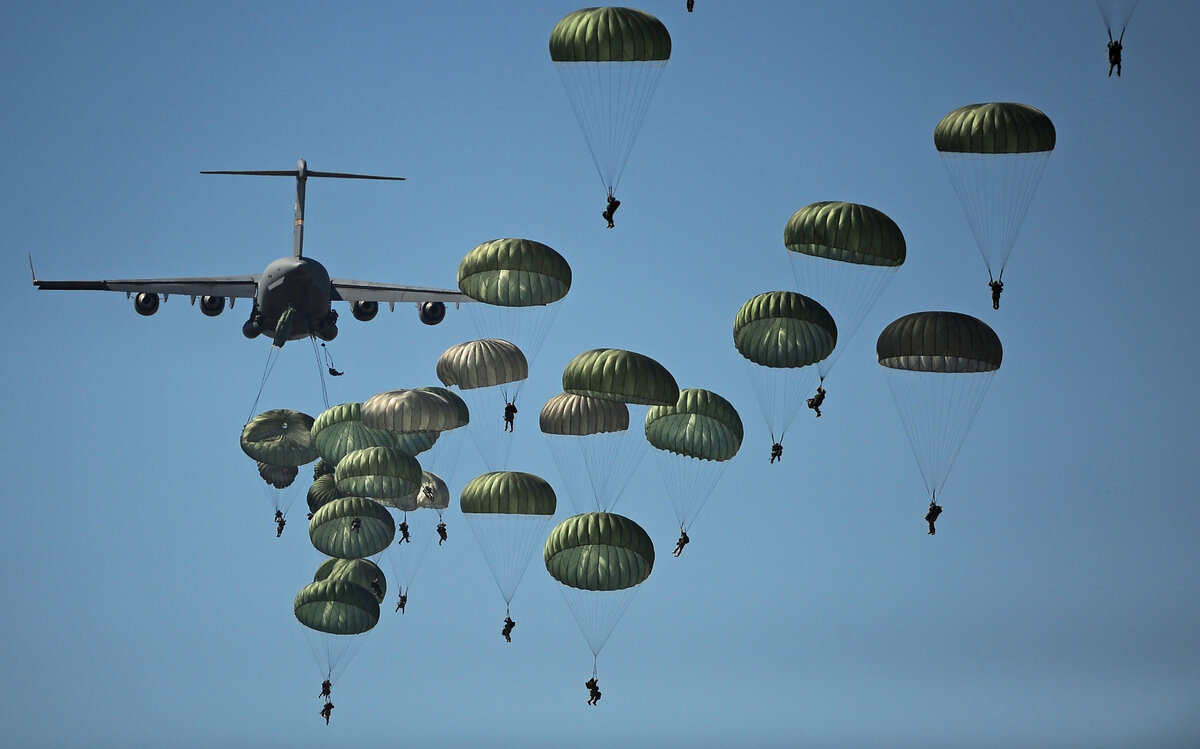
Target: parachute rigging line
[
  {"x": 272, "y": 358},
  {"x": 321, "y": 368}
]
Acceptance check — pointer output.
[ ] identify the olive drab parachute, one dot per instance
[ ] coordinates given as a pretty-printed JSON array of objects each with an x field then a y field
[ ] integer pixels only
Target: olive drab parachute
[
  {"x": 489, "y": 373},
  {"x": 362, "y": 572},
  {"x": 995, "y": 154},
  {"x": 380, "y": 473},
  {"x": 595, "y": 450},
  {"x": 693, "y": 440},
  {"x": 333, "y": 533},
  {"x": 281, "y": 437},
  {"x": 599, "y": 558},
  {"x": 843, "y": 254},
  {"x": 610, "y": 61},
  {"x": 280, "y": 477},
  {"x": 279, "y": 441},
  {"x": 335, "y": 612},
  {"x": 619, "y": 375},
  {"x": 782, "y": 334},
  {"x": 403, "y": 411},
  {"x": 509, "y": 513},
  {"x": 939, "y": 366},
  {"x": 339, "y": 430},
  {"x": 322, "y": 491},
  {"x": 519, "y": 282}
]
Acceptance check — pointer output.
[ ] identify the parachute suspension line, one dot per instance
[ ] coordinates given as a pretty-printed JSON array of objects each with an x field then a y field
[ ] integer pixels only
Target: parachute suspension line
[
  {"x": 321, "y": 369},
  {"x": 610, "y": 100},
  {"x": 996, "y": 191},
  {"x": 272, "y": 357},
  {"x": 595, "y": 665}
]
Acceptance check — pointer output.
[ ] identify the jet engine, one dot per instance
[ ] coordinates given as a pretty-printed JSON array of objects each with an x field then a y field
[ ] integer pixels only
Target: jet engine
[
  {"x": 364, "y": 311},
  {"x": 145, "y": 303},
  {"x": 212, "y": 305},
  {"x": 431, "y": 313}
]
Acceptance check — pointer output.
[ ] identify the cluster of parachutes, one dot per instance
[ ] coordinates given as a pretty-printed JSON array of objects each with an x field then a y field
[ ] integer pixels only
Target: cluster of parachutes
[{"x": 938, "y": 364}]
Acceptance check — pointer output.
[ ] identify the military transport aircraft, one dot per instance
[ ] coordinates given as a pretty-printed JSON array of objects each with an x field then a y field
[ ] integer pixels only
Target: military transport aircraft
[{"x": 297, "y": 282}]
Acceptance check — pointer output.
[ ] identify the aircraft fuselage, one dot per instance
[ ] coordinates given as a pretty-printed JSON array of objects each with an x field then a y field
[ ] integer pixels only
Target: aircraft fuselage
[{"x": 298, "y": 282}]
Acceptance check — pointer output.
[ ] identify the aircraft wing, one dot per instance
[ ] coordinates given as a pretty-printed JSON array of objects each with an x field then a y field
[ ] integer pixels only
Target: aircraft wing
[
  {"x": 227, "y": 286},
  {"x": 371, "y": 291}
]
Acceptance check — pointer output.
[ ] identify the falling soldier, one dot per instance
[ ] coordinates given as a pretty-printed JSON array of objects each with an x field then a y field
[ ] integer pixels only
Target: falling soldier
[
  {"x": 403, "y": 528},
  {"x": 279, "y": 523},
  {"x": 932, "y": 516},
  {"x": 326, "y": 688},
  {"x": 441, "y": 531},
  {"x": 682, "y": 542},
  {"x": 593, "y": 690},
  {"x": 510, "y": 410},
  {"x": 776, "y": 452},
  {"x": 508, "y": 628},
  {"x": 611, "y": 209},
  {"x": 997, "y": 287},
  {"x": 815, "y": 402},
  {"x": 327, "y": 711},
  {"x": 400, "y": 604},
  {"x": 1114, "y": 55}
]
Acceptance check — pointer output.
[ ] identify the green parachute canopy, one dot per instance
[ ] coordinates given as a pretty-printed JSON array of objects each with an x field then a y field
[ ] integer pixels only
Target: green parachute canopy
[
  {"x": 362, "y": 572},
  {"x": 410, "y": 411},
  {"x": 514, "y": 273},
  {"x": 280, "y": 477},
  {"x": 336, "y": 606},
  {"x": 784, "y": 329},
  {"x": 280, "y": 437},
  {"x": 609, "y": 35},
  {"x": 619, "y": 375},
  {"x": 945, "y": 342},
  {"x": 483, "y": 363},
  {"x": 845, "y": 232},
  {"x": 332, "y": 528},
  {"x": 599, "y": 551},
  {"x": 508, "y": 493},
  {"x": 700, "y": 425},
  {"x": 322, "y": 491},
  {"x": 379, "y": 473},
  {"x": 339, "y": 430},
  {"x": 581, "y": 415},
  {"x": 995, "y": 128}
]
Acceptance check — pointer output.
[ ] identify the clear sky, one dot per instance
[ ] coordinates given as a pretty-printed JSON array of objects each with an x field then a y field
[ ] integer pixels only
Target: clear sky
[{"x": 146, "y": 600}]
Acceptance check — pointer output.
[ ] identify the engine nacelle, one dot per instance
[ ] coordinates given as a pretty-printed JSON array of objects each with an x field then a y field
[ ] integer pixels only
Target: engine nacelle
[
  {"x": 145, "y": 303},
  {"x": 431, "y": 313},
  {"x": 364, "y": 311},
  {"x": 212, "y": 305}
]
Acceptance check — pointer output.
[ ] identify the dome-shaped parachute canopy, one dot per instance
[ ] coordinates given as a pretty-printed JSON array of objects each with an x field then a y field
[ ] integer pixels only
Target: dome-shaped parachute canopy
[
  {"x": 280, "y": 477},
  {"x": 599, "y": 551},
  {"x": 939, "y": 342},
  {"x": 995, "y": 128},
  {"x": 379, "y": 473},
  {"x": 784, "y": 329},
  {"x": 581, "y": 415},
  {"x": 514, "y": 273},
  {"x": 339, "y": 430},
  {"x": 332, "y": 533},
  {"x": 359, "y": 571},
  {"x": 438, "y": 496},
  {"x": 462, "y": 414},
  {"x": 280, "y": 437},
  {"x": 483, "y": 363},
  {"x": 938, "y": 366},
  {"x": 609, "y": 35},
  {"x": 336, "y": 606},
  {"x": 508, "y": 493},
  {"x": 845, "y": 232},
  {"x": 323, "y": 468},
  {"x": 619, "y": 375},
  {"x": 700, "y": 425},
  {"x": 410, "y": 411},
  {"x": 323, "y": 491}
]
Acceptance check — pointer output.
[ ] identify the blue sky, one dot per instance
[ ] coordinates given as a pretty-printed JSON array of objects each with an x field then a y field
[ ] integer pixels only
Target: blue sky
[{"x": 148, "y": 601}]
